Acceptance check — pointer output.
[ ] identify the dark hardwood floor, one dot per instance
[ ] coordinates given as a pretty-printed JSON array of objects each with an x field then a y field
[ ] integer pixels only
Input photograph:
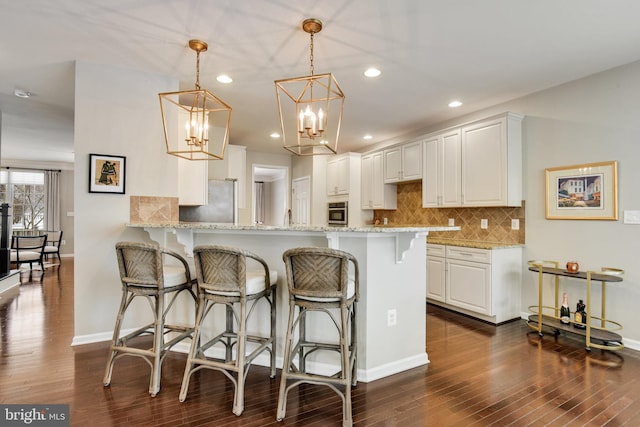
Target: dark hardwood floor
[{"x": 479, "y": 375}]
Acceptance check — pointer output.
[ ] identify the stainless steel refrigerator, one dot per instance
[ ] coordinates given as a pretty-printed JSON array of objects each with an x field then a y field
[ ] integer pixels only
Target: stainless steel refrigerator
[{"x": 222, "y": 207}]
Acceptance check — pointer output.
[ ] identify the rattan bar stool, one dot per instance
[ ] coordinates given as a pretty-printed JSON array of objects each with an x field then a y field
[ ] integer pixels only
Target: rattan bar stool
[
  {"x": 319, "y": 280},
  {"x": 144, "y": 273},
  {"x": 224, "y": 278}
]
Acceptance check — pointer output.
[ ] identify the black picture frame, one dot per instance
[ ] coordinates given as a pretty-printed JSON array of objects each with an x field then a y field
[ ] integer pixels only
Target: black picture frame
[{"x": 107, "y": 174}]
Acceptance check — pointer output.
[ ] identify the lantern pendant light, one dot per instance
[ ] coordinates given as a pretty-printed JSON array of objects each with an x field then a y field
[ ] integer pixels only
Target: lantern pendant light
[
  {"x": 310, "y": 107},
  {"x": 196, "y": 122}
]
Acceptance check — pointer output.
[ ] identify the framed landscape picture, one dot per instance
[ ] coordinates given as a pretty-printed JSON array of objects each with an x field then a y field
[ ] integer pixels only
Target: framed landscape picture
[
  {"x": 106, "y": 174},
  {"x": 588, "y": 191}
]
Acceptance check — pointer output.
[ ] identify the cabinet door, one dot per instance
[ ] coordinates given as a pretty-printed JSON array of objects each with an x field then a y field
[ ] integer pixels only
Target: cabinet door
[
  {"x": 366, "y": 182},
  {"x": 441, "y": 171},
  {"x": 193, "y": 178},
  {"x": 484, "y": 164},
  {"x": 451, "y": 188},
  {"x": 338, "y": 176},
  {"x": 431, "y": 173},
  {"x": 436, "y": 278},
  {"x": 411, "y": 161},
  {"x": 375, "y": 193},
  {"x": 392, "y": 165},
  {"x": 469, "y": 285}
]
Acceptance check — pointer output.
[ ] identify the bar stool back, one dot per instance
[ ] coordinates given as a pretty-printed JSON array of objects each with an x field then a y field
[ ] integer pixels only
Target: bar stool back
[
  {"x": 223, "y": 278},
  {"x": 144, "y": 273},
  {"x": 318, "y": 280}
]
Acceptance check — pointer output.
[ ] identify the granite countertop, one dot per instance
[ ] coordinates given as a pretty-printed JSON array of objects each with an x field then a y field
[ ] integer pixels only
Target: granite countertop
[
  {"x": 294, "y": 228},
  {"x": 473, "y": 243}
]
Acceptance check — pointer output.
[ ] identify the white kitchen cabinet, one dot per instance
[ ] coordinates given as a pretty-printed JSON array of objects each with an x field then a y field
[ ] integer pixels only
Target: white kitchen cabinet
[
  {"x": 403, "y": 163},
  {"x": 441, "y": 176},
  {"x": 436, "y": 272},
  {"x": 338, "y": 175},
  {"x": 484, "y": 283},
  {"x": 375, "y": 194},
  {"x": 491, "y": 153},
  {"x": 193, "y": 182},
  {"x": 468, "y": 272}
]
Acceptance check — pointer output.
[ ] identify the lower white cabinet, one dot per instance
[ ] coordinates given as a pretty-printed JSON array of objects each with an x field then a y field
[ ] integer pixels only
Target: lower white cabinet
[
  {"x": 436, "y": 272},
  {"x": 484, "y": 283}
]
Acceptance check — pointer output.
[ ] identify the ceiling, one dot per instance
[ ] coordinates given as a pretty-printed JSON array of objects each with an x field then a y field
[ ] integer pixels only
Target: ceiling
[{"x": 430, "y": 52}]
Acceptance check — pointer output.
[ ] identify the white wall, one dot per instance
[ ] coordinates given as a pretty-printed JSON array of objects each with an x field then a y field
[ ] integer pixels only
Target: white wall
[{"x": 117, "y": 113}]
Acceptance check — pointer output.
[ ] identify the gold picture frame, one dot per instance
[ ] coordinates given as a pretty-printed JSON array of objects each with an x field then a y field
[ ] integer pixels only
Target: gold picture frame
[{"x": 587, "y": 191}]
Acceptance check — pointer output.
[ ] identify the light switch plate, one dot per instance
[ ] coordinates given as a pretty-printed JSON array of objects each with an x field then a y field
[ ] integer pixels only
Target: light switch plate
[
  {"x": 452, "y": 222},
  {"x": 515, "y": 224},
  {"x": 632, "y": 217},
  {"x": 484, "y": 223}
]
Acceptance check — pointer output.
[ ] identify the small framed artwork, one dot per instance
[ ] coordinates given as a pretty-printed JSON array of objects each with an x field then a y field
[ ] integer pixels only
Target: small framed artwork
[
  {"x": 588, "y": 191},
  {"x": 106, "y": 174}
]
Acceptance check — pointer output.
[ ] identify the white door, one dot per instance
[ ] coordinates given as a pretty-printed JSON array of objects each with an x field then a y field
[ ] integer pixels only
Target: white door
[{"x": 301, "y": 198}]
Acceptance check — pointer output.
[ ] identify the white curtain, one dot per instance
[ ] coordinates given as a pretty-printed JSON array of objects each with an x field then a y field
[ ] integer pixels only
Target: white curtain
[{"x": 52, "y": 200}]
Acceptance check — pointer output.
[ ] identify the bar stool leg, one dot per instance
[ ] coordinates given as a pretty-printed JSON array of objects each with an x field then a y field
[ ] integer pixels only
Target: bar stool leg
[
  {"x": 194, "y": 349},
  {"x": 116, "y": 336},
  {"x": 158, "y": 344},
  {"x": 286, "y": 364}
]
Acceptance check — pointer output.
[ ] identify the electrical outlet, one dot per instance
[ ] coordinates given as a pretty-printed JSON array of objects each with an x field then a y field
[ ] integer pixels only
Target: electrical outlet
[
  {"x": 392, "y": 317},
  {"x": 484, "y": 223},
  {"x": 515, "y": 224},
  {"x": 452, "y": 222},
  {"x": 63, "y": 242}
]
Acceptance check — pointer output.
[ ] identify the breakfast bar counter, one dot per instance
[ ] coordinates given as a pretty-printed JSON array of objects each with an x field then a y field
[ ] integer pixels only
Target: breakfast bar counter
[{"x": 392, "y": 262}]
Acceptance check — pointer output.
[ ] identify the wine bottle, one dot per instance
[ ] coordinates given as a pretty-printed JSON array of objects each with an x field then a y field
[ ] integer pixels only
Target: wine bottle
[
  {"x": 565, "y": 313},
  {"x": 580, "y": 316}
]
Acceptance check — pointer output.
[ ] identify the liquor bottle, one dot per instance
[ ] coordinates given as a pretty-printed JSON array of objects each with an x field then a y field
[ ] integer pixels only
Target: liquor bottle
[
  {"x": 565, "y": 313},
  {"x": 580, "y": 316}
]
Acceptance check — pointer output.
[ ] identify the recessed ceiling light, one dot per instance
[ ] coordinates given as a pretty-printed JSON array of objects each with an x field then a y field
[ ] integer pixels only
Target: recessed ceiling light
[
  {"x": 372, "y": 72},
  {"x": 275, "y": 135},
  {"x": 20, "y": 93},
  {"x": 223, "y": 78},
  {"x": 455, "y": 104},
  {"x": 367, "y": 137}
]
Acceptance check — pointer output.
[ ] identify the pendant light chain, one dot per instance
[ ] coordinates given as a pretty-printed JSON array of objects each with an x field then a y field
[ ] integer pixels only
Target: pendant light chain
[
  {"x": 198, "y": 70},
  {"x": 311, "y": 52}
]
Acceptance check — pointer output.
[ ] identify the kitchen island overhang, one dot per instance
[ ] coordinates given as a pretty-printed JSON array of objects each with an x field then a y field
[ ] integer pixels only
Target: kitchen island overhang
[{"x": 392, "y": 263}]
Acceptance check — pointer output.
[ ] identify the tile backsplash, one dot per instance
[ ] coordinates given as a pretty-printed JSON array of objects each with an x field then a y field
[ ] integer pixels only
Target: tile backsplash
[
  {"x": 153, "y": 210},
  {"x": 411, "y": 212}
]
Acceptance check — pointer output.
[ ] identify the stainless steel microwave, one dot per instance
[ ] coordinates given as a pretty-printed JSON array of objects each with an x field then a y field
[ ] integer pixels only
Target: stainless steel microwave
[{"x": 338, "y": 214}]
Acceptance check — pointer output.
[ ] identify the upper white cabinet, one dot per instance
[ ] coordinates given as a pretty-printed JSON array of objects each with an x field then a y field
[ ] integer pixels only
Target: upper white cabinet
[
  {"x": 338, "y": 175},
  {"x": 478, "y": 164},
  {"x": 375, "y": 194},
  {"x": 491, "y": 153},
  {"x": 403, "y": 163},
  {"x": 441, "y": 182},
  {"x": 193, "y": 182}
]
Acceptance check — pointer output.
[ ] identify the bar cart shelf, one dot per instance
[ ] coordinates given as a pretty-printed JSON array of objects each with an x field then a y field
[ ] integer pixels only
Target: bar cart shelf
[{"x": 598, "y": 331}]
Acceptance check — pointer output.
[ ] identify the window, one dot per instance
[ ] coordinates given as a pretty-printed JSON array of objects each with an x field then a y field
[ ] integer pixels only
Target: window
[{"x": 24, "y": 192}]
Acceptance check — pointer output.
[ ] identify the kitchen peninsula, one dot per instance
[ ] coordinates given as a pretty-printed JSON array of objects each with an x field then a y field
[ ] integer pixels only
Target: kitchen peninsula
[{"x": 392, "y": 263}]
